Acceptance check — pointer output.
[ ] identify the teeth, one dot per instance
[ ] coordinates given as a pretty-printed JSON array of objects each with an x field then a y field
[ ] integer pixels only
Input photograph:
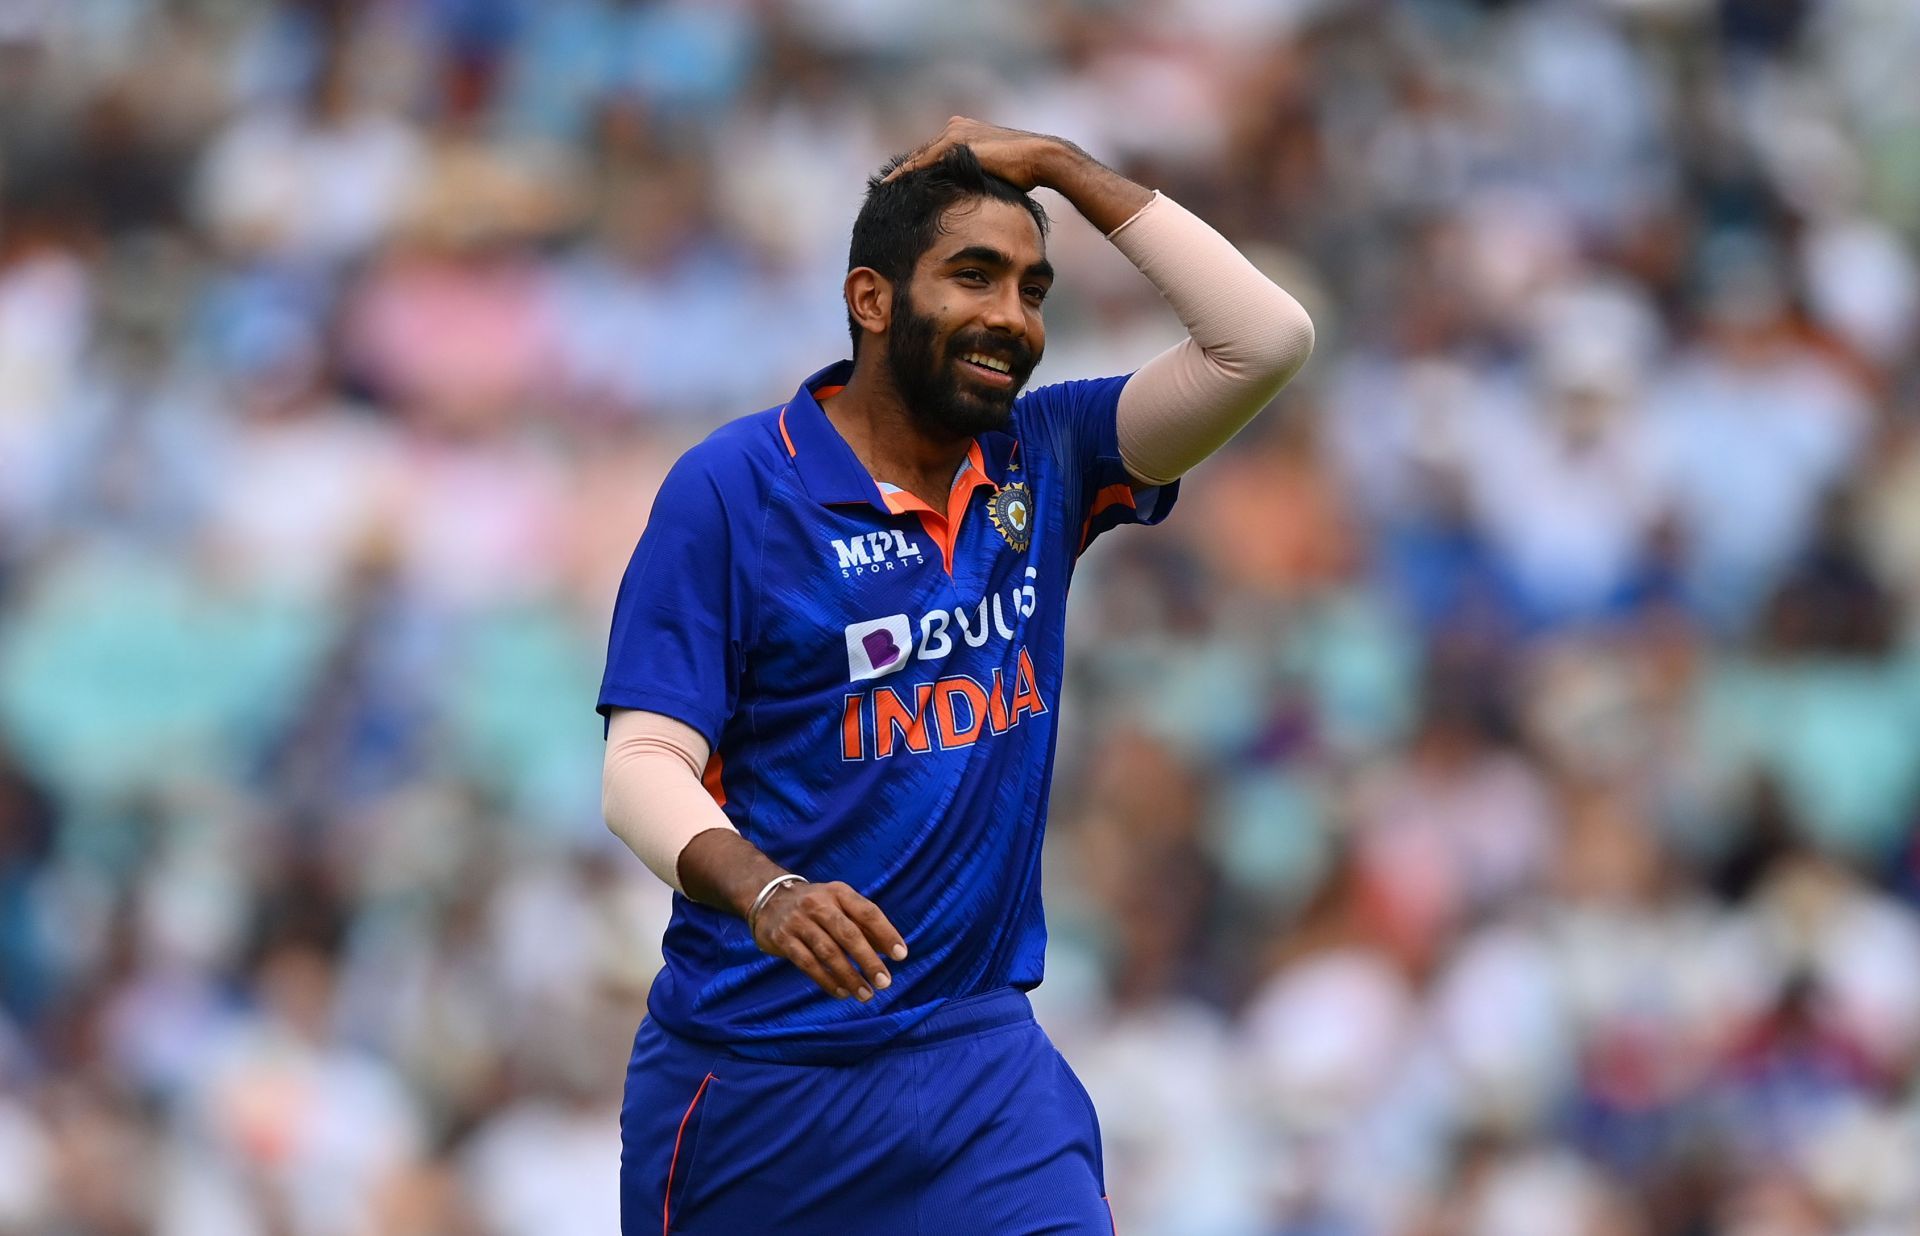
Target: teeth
[{"x": 999, "y": 366}]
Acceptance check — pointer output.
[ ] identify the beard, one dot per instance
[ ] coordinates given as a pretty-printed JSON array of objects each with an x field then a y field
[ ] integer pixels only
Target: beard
[{"x": 942, "y": 401}]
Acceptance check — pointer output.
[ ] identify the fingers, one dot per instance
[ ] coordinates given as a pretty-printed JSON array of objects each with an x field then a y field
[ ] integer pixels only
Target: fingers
[
  {"x": 801, "y": 954},
  {"x": 833, "y": 960},
  {"x": 820, "y": 928},
  {"x": 853, "y": 944},
  {"x": 925, "y": 156},
  {"x": 929, "y": 154},
  {"x": 873, "y": 924}
]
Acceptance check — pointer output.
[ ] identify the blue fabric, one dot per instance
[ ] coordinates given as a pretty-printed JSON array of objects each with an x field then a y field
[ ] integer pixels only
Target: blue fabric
[
  {"x": 876, "y": 720},
  {"x": 969, "y": 1123}
]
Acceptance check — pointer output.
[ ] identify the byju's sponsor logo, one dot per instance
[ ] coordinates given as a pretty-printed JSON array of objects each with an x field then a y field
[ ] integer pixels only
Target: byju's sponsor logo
[
  {"x": 886, "y": 550},
  {"x": 880, "y": 646}
]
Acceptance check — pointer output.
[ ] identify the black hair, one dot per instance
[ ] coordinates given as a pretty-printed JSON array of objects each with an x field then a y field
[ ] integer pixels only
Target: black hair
[{"x": 900, "y": 220}]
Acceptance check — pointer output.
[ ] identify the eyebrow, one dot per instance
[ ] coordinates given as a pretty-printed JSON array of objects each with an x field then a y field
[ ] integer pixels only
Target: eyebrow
[{"x": 986, "y": 255}]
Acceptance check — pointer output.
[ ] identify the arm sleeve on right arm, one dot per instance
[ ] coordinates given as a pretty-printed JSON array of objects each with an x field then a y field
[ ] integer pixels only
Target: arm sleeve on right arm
[
  {"x": 651, "y": 790},
  {"x": 1247, "y": 337}
]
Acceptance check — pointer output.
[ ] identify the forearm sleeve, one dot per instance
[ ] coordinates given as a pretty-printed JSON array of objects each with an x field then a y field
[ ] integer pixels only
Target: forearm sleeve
[
  {"x": 651, "y": 791},
  {"x": 1246, "y": 338}
]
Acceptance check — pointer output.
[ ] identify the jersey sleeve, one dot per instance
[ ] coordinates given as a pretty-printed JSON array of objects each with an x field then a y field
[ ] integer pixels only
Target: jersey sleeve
[
  {"x": 680, "y": 620},
  {"x": 1077, "y": 424}
]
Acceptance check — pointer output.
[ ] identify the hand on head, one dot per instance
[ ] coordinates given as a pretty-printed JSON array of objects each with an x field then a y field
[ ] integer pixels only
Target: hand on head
[{"x": 1012, "y": 154}]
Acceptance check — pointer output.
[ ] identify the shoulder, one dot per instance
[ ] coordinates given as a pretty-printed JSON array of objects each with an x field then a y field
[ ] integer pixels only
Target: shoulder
[
  {"x": 1057, "y": 398},
  {"x": 743, "y": 456},
  {"x": 747, "y": 443},
  {"x": 1070, "y": 420},
  {"x": 723, "y": 484}
]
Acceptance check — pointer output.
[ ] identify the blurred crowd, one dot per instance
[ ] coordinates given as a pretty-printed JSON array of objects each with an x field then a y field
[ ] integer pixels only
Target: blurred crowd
[{"x": 1486, "y": 808}]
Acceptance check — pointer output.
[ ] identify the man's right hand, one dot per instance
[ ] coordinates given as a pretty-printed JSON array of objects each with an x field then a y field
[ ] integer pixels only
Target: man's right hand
[
  {"x": 815, "y": 926},
  {"x": 818, "y": 927}
]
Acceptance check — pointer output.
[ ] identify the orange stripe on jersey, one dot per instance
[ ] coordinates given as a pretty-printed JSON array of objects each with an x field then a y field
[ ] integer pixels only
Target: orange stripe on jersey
[
  {"x": 666, "y": 1204},
  {"x": 899, "y": 501},
  {"x": 1112, "y": 495},
  {"x": 945, "y": 529},
  {"x": 977, "y": 460},
  {"x": 936, "y": 529},
  {"x": 711, "y": 779},
  {"x": 825, "y": 392}
]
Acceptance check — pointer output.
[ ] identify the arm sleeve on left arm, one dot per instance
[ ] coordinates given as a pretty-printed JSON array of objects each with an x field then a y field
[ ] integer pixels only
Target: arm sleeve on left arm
[
  {"x": 651, "y": 789},
  {"x": 1246, "y": 338}
]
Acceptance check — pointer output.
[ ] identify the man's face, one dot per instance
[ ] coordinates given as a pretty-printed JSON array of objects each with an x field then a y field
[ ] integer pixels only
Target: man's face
[{"x": 966, "y": 329}]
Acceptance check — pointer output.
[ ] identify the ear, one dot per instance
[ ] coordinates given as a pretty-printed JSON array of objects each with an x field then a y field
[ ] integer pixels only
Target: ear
[{"x": 869, "y": 299}]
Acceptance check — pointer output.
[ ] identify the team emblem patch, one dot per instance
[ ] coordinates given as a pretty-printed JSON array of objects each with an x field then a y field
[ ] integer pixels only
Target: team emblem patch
[{"x": 1012, "y": 511}]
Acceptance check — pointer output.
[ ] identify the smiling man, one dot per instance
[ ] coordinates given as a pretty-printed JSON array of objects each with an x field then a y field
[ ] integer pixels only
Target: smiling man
[{"x": 832, "y": 693}]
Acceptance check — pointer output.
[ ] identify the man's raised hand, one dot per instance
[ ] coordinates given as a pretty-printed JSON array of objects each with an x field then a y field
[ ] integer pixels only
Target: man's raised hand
[
  {"x": 1011, "y": 154},
  {"x": 1034, "y": 160}
]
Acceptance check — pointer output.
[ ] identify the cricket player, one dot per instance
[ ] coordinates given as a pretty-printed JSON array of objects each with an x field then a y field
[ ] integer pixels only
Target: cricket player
[{"x": 832, "y": 693}]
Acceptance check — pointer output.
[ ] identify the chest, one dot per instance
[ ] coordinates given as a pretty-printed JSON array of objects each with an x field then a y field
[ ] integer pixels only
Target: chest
[{"x": 852, "y": 594}]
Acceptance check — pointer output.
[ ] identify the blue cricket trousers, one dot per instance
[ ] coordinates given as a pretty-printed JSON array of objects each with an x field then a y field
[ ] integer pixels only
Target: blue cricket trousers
[{"x": 969, "y": 1125}]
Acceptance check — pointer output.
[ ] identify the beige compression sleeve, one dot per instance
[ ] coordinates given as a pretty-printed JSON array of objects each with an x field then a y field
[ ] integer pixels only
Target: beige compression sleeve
[
  {"x": 1246, "y": 338},
  {"x": 651, "y": 791}
]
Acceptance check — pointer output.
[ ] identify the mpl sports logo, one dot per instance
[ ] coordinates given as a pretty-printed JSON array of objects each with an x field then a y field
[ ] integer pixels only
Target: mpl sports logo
[{"x": 873, "y": 552}]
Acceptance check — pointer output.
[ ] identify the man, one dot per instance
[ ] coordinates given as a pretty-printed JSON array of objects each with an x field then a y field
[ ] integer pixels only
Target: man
[{"x": 832, "y": 690}]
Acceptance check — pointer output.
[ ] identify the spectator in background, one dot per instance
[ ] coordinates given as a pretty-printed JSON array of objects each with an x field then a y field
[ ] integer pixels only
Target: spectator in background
[
  {"x": 317, "y": 180},
  {"x": 1566, "y": 482},
  {"x": 1754, "y": 426}
]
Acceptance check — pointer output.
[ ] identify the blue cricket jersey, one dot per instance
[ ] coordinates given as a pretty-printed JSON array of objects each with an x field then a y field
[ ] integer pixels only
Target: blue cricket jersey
[{"x": 879, "y": 683}]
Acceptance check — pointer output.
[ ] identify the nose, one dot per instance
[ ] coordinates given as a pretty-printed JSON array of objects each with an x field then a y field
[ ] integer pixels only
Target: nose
[{"x": 1006, "y": 313}]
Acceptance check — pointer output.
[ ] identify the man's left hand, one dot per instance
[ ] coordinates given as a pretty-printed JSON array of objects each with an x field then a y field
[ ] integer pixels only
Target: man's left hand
[
  {"x": 1013, "y": 155},
  {"x": 1037, "y": 161}
]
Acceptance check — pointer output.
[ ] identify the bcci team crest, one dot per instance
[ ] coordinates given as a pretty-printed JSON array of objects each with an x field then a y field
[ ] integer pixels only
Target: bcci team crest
[{"x": 1012, "y": 511}]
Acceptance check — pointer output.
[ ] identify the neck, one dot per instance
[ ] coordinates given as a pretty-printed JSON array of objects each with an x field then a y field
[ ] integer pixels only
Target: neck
[{"x": 871, "y": 415}]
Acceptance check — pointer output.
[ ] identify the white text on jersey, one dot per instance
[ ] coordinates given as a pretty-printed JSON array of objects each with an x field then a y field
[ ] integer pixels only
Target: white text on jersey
[
  {"x": 885, "y": 550},
  {"x": 881, "y": 646}
]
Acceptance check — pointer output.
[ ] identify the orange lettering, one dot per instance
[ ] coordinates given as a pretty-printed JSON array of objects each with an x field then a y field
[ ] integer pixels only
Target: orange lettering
[
  {"x": 952, "y": 734},
  {"x": 853, "y": 738},
  {"x": 997, "y": 714},
  {"x": 891, "y": 716},
  {"x": 1026, "y": 690}
]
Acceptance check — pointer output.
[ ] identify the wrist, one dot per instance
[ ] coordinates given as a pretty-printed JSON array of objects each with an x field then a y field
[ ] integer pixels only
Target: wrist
[
  {"x": 1059, "y": 164},
  {"x": 1104, "y": 197},
  {"x": 722, "y": 869},
  {"x": 771, "y": 889}
]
